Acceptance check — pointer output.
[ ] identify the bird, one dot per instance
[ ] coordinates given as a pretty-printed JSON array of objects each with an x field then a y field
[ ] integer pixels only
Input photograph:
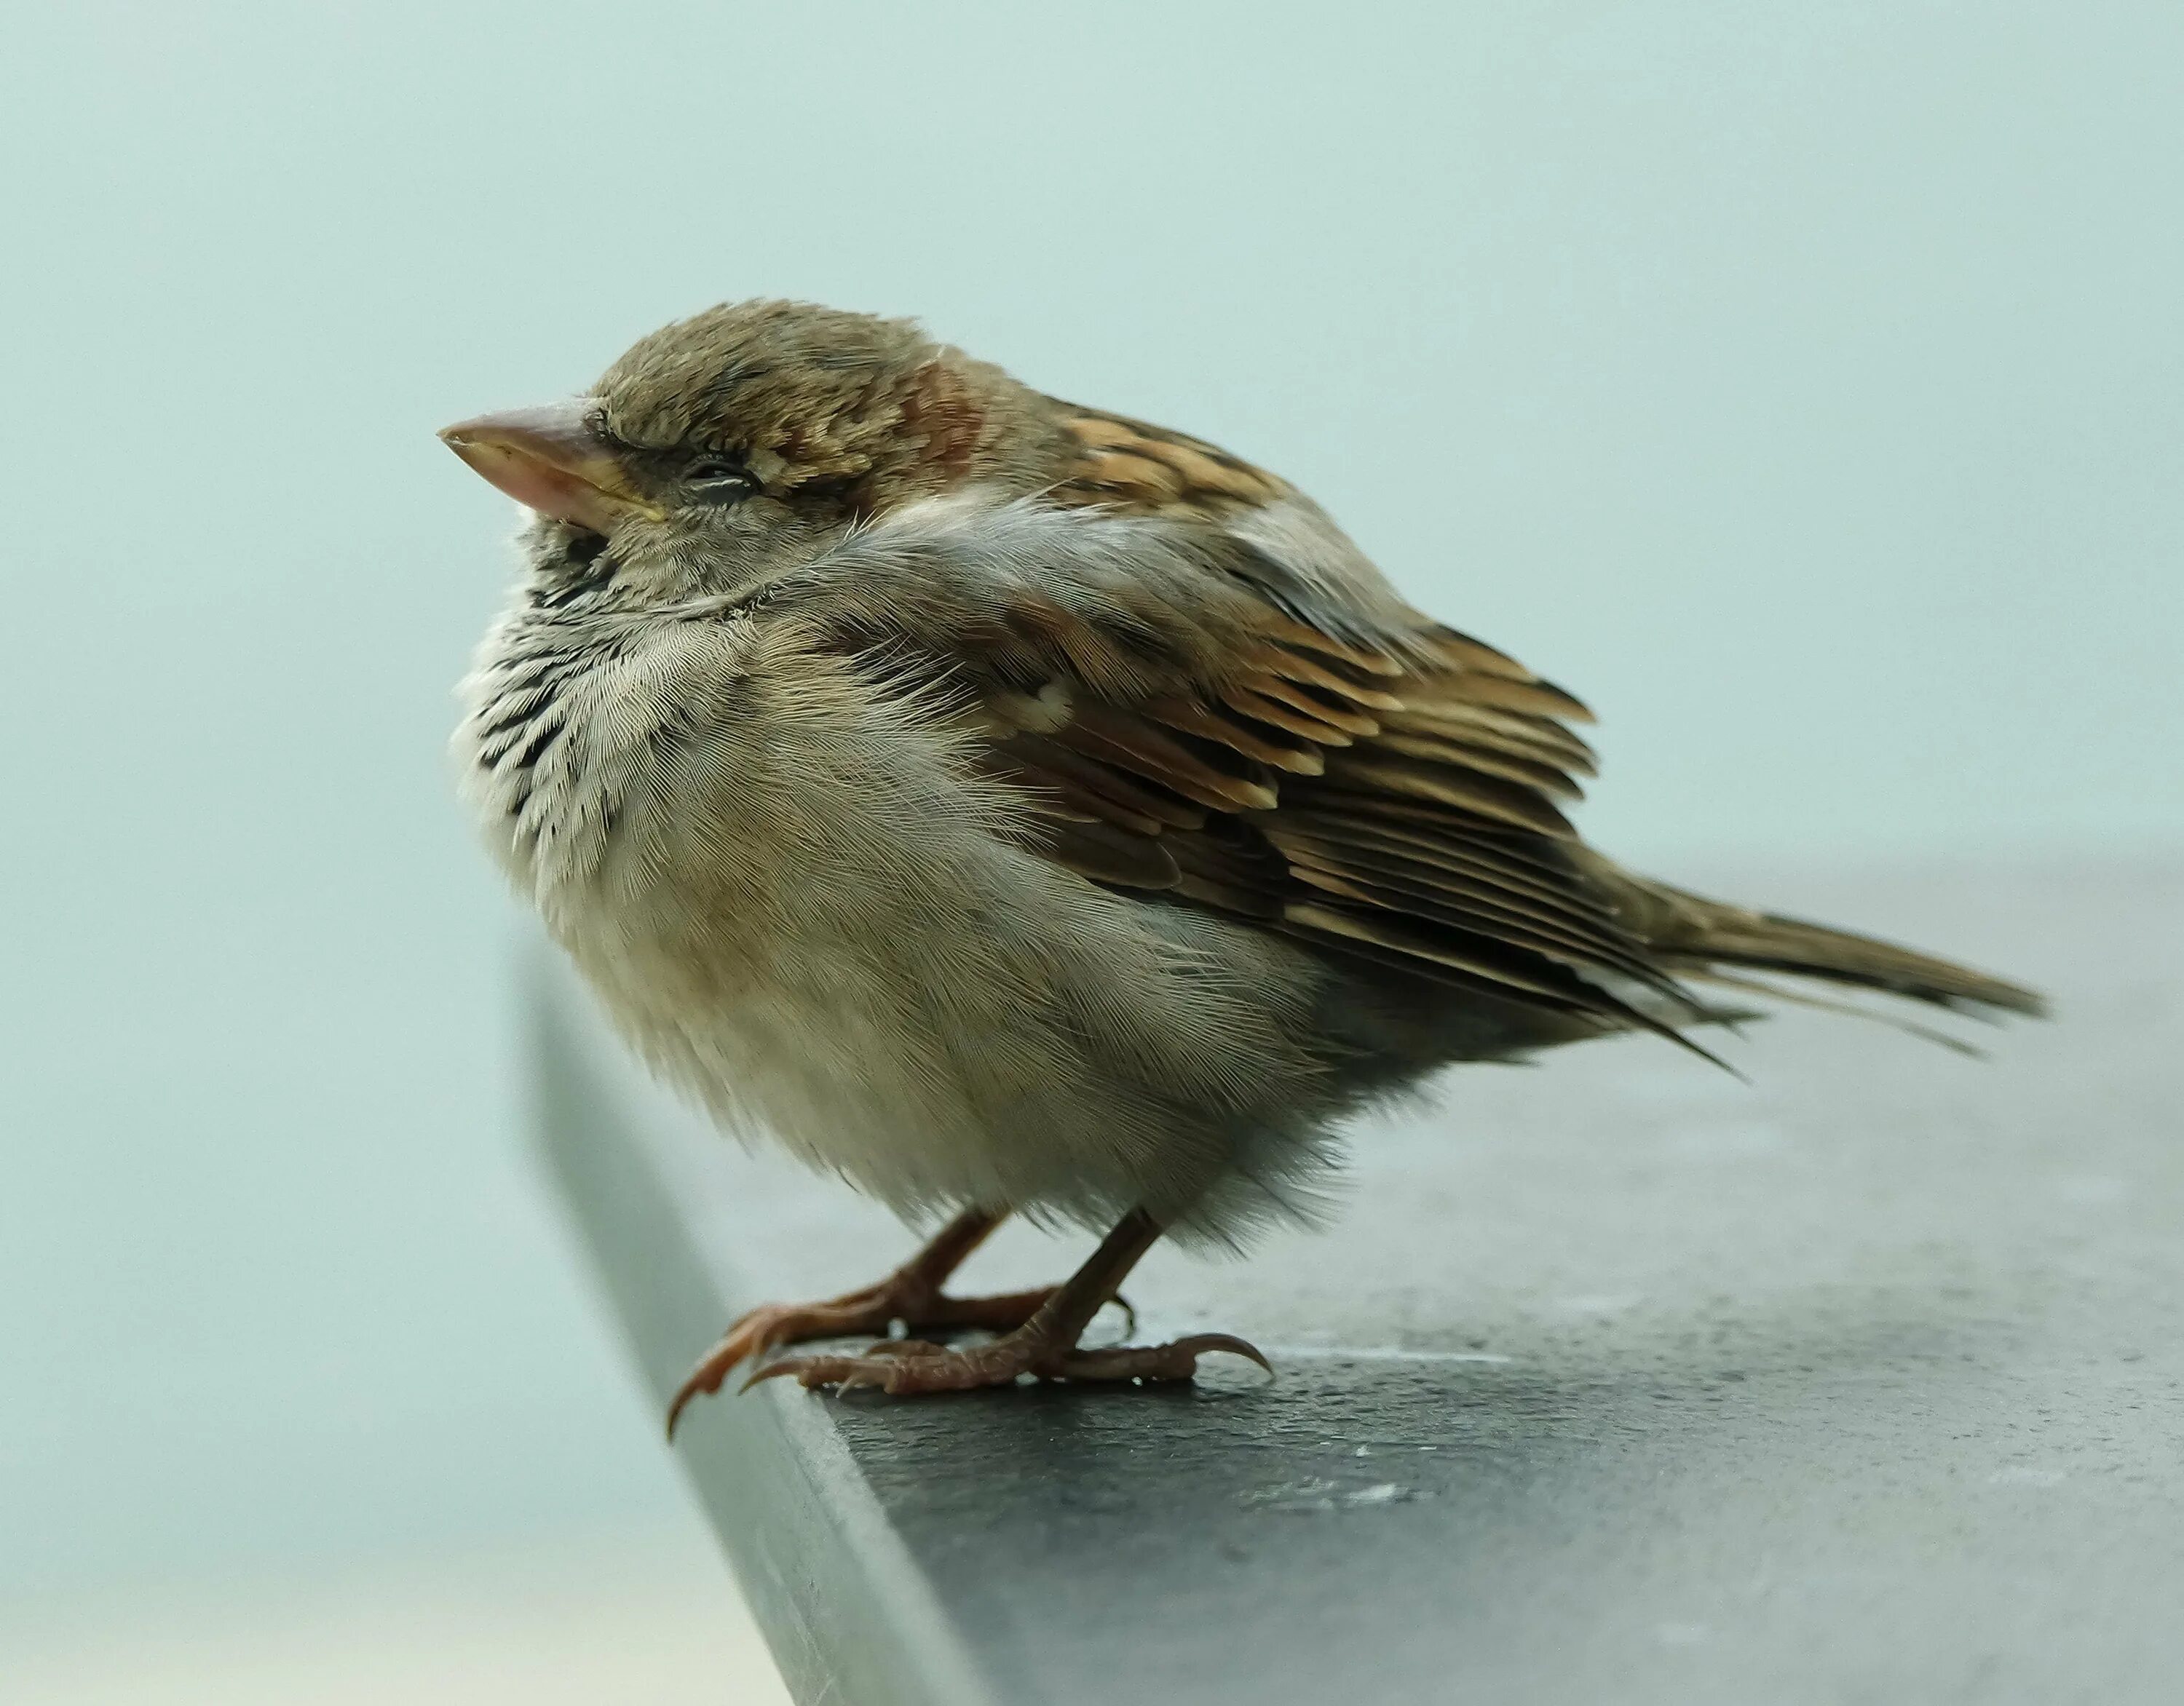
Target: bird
[{"x": 1014, "y": 808}]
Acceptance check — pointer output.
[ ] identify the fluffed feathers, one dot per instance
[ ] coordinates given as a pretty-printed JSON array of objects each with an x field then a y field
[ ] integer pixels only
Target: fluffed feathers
[{"x": 1015, "y": 804}]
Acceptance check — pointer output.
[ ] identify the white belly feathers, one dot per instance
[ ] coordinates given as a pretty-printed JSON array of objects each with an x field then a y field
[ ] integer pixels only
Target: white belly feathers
[{"x": 871, "y": 970}]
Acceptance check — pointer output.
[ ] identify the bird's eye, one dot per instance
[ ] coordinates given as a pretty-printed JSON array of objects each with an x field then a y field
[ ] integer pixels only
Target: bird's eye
[{"x": 717, "y": 479}]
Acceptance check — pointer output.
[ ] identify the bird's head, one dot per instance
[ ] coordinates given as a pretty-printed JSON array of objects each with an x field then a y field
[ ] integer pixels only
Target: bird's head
[{"x": 721, "y": 449}]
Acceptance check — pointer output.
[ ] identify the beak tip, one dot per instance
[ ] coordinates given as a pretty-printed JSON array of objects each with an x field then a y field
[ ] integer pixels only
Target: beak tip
[{"x": 551, "y": 460}]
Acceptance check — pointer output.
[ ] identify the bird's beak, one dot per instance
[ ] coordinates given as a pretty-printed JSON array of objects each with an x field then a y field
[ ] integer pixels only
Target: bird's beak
[{"x": 553, "y": 458}]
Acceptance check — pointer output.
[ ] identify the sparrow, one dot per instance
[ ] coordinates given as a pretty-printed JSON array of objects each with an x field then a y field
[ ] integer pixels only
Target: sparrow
[{"x": 1015, "y": 808}]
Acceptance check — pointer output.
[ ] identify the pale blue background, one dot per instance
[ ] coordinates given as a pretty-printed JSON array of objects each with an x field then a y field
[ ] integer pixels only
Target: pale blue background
[{"x": 1801, "y": 384}]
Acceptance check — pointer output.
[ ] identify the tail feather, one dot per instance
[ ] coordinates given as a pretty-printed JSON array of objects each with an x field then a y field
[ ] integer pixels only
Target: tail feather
[
  {"x": 1715, "y": 977},
  {"x": 1696, "y": 936}
]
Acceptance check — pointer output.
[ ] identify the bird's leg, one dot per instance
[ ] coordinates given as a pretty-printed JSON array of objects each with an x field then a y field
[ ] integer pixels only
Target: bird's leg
[
  {"x": 912, "y": 1294},
  {"x": 1045, "y": 1345}
]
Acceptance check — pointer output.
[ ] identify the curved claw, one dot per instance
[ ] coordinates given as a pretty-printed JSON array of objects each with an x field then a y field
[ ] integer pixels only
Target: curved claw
[
  {"x": 706, "y": 1378},
  {"x": 1177, "y": 1360},
  {"x": 1199, "y": 1344},
  {"x": 754, "y": 1332}
]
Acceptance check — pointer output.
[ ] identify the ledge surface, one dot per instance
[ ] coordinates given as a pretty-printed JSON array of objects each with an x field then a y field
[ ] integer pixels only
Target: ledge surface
[{"x": 1617, "y": 1379}]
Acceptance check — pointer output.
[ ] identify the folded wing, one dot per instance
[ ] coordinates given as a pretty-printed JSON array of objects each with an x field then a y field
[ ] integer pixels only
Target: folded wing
[{"x": 1222, "y": 703}]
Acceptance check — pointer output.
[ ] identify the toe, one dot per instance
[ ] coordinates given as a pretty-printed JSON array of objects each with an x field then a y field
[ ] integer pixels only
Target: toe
[
  {"x": 1175, "y": 1361},
  {"x": 904, "y": 1368},
  {"x": 808, "y": 1371},
  {"x": 906, "y": 1347}
]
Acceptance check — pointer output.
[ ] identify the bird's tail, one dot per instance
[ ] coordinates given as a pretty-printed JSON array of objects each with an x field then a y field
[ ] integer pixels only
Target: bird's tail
[{"x": 1710, "y": 941}]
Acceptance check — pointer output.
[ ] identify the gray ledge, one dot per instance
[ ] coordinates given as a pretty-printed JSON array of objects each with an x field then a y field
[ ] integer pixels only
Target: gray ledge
[{"x": 1614, "y": 1381}]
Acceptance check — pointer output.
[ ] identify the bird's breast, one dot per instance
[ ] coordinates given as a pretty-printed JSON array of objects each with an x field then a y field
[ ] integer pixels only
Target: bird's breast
[{"x": 799, "y": 899}]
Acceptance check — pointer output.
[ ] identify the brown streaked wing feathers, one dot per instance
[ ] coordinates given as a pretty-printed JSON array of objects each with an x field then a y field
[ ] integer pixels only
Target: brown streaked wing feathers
[
  {"x": 1387, "y": 794},
  {"x": 1423, "y": 836}
]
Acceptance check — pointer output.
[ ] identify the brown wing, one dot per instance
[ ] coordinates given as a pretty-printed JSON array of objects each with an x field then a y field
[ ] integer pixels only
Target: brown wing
[
  {"x": 1273, "y": 738},
  {"x": 1151, "y": 470},
  {"x": 1403, "y": 813}
]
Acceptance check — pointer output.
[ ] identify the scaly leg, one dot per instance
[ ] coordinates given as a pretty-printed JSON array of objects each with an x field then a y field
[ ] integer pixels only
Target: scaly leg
[
  {"x": 1045, "y": 1345},
  {"x": 912, "y": 1294}
]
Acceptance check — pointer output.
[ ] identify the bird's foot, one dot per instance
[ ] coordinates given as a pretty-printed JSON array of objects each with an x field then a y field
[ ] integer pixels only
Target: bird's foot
[
  {"x": 905, "y": 1297},
  {"x": 905, "y": 1367}
]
